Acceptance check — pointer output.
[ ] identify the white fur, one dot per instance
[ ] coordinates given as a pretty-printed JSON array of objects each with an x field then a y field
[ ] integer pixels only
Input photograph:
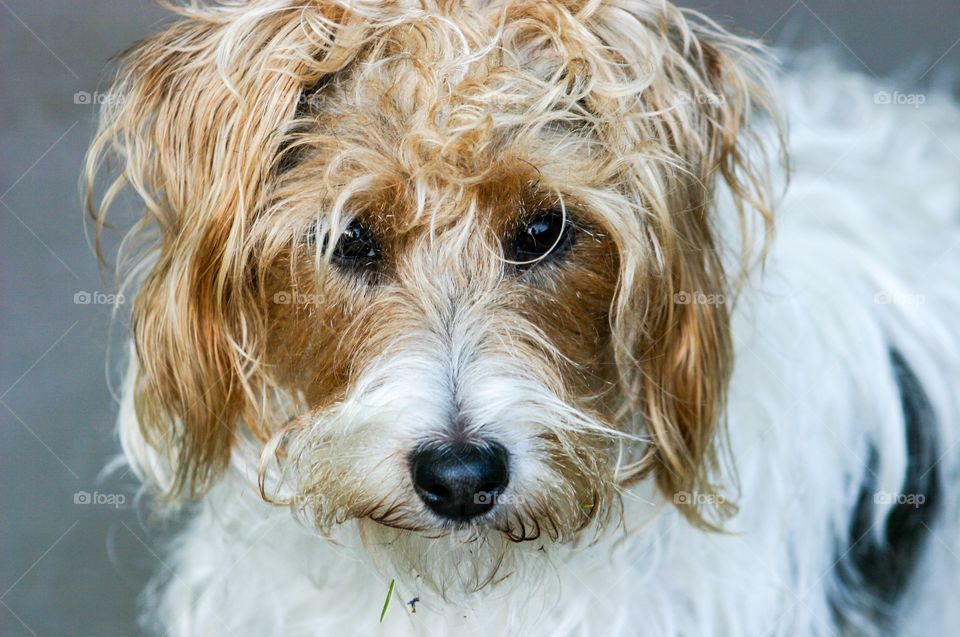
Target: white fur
[{"x": 873, "y": 208}]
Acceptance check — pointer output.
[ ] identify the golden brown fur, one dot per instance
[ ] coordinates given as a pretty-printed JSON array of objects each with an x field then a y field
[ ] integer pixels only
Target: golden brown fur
[{"x": 248, "y": 132}]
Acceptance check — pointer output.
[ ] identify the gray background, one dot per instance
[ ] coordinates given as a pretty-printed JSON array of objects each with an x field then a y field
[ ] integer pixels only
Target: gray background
[{"x": 75, "y": 569}]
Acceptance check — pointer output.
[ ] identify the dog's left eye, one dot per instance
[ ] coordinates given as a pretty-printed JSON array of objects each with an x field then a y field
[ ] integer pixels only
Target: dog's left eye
[
  {"x": 548, "y": 234},
  {"x": 356, "y": 247}
]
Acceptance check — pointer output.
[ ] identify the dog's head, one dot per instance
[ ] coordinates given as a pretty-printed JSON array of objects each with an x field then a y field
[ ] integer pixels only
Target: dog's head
[{"x": 451, "y": 266}]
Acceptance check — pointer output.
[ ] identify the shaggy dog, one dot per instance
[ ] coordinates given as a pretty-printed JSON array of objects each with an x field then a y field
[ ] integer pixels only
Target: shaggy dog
[{"x": 487, "y": 294}]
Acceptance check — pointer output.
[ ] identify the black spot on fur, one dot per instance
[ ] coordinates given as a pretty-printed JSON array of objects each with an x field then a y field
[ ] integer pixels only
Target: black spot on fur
[
  {"x": 290, "y": 152},
  {"x": 873, "y": 574}
]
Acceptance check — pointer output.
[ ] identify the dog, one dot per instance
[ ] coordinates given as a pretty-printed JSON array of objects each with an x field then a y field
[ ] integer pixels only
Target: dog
[{"x": 516, "y": 317}]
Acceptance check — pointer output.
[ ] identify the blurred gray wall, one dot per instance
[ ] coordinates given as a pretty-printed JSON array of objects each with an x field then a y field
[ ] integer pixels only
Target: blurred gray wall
[{"x": 74, "y": 568}]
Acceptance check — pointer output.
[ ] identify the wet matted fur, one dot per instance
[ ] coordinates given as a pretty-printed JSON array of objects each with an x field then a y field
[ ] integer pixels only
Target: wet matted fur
[{"x": 690, "y": 435}]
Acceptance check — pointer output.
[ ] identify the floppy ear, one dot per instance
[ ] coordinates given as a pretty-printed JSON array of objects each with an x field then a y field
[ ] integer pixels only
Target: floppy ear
[
  {"x": 195, "y": 119},
  {"x": 681, "y": 95}
]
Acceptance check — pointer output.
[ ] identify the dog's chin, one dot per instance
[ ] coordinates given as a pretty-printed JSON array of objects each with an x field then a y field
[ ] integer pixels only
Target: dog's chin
[{"x": 455, "y": 562}]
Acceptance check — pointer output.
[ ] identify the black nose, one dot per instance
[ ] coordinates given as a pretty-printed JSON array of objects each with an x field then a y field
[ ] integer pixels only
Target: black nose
[{"x": 460, "y": 481}]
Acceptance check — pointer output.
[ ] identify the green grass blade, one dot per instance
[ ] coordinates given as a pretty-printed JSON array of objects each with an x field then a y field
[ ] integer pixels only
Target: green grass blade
[{"x": 386, "y": 602}]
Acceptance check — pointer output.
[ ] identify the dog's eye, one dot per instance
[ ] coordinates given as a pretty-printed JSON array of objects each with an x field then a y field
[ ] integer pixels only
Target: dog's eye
[
  {"x": 548, "y": 234},
  {"x": 356, "y": 247}
]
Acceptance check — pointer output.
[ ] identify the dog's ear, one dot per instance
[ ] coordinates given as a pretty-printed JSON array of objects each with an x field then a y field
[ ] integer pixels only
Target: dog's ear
[
  {"x": 196, "y": 121},
  {"x": 675, "y": 96}
]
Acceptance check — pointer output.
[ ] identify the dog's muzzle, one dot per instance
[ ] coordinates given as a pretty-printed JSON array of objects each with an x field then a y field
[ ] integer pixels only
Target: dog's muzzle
[{"x": 460, "y": 481}]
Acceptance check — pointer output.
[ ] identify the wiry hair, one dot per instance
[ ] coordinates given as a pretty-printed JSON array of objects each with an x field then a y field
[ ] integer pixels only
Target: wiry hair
[{"x": 243, "y": 118}]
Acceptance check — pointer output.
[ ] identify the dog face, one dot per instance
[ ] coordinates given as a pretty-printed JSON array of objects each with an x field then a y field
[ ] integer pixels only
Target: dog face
[
  {"x": 459, "y": 356},
  {"x": 433, "y": 259}
]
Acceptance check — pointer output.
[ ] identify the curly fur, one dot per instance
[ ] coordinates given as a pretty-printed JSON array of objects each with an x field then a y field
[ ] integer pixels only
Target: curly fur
[{"x": 264, "y": 377}]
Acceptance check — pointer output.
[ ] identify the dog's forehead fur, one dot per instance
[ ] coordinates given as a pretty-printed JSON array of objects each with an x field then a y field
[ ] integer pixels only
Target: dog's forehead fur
[{"x": 449, "y": 114}]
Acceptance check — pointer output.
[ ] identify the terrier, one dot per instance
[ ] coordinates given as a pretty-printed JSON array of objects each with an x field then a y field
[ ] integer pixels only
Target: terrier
[{"x": 487, "y": 294}]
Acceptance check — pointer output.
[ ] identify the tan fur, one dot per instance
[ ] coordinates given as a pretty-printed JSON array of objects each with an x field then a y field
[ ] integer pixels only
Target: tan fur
[{"x": 438, "y": 123}]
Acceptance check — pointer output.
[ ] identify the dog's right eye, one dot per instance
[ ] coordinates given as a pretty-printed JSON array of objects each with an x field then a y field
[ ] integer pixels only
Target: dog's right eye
[
  {"x": 547, "y": 235},
  {"x": 357, "y": 247}
]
